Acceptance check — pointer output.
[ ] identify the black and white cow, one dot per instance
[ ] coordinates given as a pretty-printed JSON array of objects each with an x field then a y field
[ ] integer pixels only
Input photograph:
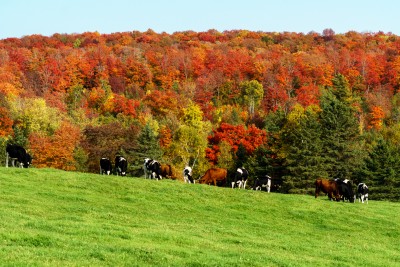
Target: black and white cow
[
  {"x": 152, "y": 169},
  {"x": 345, "y": 189},
  {"x": 362, "y": 192},
  {"x": 19, "y": 154},
  {"x": 28, "y": 160},
  {"x": 105, "y": 166},
  {"x": 187, "y": 175},
  {"x": 121, "y": 165},
  {"x": 240, "y": 179},
  {"x": 264, "y": 182}
]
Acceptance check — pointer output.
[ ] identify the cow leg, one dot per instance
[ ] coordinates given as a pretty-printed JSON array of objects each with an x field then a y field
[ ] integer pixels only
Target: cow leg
[
  {"x": 244, "y": 184},
  {"x": 7, "y": 156}
]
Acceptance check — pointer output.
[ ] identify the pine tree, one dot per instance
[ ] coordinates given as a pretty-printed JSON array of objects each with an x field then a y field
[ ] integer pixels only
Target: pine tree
[
  {"x": 147, "y": 147},
  {"x": 381, "y": 170},
  {"x": 340, "y": 131},
  {"x": 303, "y": 162}
]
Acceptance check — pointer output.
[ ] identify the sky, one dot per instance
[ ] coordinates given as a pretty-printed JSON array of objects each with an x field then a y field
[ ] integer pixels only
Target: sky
[{"x": 46, "y": 17}]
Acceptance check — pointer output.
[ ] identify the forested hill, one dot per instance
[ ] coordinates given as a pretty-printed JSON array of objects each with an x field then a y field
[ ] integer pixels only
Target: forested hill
[{"x": 296, "y": 106}]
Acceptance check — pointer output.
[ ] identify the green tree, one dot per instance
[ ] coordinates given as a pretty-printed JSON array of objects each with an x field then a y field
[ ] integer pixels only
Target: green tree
[
  {"x": 380, "y": 170},
  {"x": 190, "y": 140},
  {"x": 148, "y": 144},
  {"x": 304, "y": 162},
  {"x": 252, "y": 93},
  {"x": 341, "y": 140},
  {"x": 225, "y": 158}
]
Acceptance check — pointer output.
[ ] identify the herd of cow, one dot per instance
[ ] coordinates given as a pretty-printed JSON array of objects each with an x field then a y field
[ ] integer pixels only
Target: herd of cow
[
  {"x": 214, "y": 176},
  {"x": 335, "y": 189},
  {"x": 338, "y": 189}
]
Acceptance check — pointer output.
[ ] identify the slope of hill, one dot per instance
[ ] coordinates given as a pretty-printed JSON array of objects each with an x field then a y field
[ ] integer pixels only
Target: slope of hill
[{"x": 57, "y": 218}]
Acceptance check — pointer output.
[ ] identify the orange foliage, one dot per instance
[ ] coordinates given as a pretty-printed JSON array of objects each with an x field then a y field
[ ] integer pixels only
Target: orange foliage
[
  {"x": 5, "y": 123},
  {"x": 165, "y": 137},
  {"x": 55, "y": 151},
  {"x": 162, "y": 102},
  {"x": 376, "y": 118}
]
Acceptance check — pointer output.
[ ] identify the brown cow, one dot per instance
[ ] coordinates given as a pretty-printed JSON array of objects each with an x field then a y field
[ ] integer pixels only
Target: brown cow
[
  {"x": 215, "y": 176},
  {"x": 166, "y": 171},
  {"x": 329, "y": 187}
]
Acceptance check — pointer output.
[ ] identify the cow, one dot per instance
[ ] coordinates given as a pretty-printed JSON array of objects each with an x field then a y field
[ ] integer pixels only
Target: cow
[
  {"x": 105, "y": 166},
  {"x": 329, "y": 187},
  {"x": 216, "y": 176},
  {"x": 152, "y": 169},
  {"x": 187, "y": 175},
  {"x": 166, "y": 171},
  {"x": 28, "y": 159},
  {"x": 240, "y": 179},
  {"x": 121, "y": 165},
  {"x": 19, "y": 154},
  {"x": 264, "y": 182},
  {"x": 362, "y": 192},
  {"x": 345, "y": 188}
]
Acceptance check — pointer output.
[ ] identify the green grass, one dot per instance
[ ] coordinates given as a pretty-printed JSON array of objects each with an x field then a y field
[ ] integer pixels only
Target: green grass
[{"x": 56, "y": 218}]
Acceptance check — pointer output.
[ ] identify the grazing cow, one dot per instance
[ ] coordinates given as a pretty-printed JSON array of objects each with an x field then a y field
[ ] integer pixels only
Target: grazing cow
[
  {"x": 121, "y": 165},
  {"x": 216, "y": 176},
  {"x": 105, "y": 166},
  {"x": 264, "y": 182},
  {"x": 18, "y": 153},
  {"x": 345, "y": 188},
  {"x": 152, "y": 169},
  {"x": 362, "y": 192},
  {"x": 240, "y": 178},
  {"x": 329, "y": 187},
  {"x": 166, "y": 171},
  {"x": 187, "y": 175}
]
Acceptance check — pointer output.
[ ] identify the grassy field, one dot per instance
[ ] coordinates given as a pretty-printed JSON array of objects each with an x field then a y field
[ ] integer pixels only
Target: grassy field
[{"x": 56, "y": 218}]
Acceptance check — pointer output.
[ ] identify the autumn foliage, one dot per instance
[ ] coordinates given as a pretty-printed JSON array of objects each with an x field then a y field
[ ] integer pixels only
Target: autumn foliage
[
  {"x": 251, "y": 138},
  {"x": 96, "y": 93},
  {"x": 55, "y": 151}
]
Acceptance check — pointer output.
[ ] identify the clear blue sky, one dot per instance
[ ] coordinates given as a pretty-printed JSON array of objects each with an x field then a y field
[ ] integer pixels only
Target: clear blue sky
[{"x": 46, "y": 17}]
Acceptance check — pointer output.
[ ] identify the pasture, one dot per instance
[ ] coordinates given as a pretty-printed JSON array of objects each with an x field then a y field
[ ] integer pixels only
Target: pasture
[{"x": 56, "y": 218}]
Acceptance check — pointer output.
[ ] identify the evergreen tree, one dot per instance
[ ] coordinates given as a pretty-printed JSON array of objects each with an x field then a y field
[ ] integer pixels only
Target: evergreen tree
[
  {"x": 303, "y": 162},
  {"x": 148, "y": 146},
  {"x": 381, "y": 170},
  {"x": 340, "y": 131}
]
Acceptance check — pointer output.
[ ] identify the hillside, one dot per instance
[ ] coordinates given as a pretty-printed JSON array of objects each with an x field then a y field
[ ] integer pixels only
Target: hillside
[
  {"x": 294, "y": 106},
  {"x": 57, "y": 218}
]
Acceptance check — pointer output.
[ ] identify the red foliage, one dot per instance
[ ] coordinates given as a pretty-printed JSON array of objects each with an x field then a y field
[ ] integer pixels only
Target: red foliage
[
  {"x": 125, "y": 106},
  {"x": 251, "y": 138},
  {"x": 308, "y": 95}
]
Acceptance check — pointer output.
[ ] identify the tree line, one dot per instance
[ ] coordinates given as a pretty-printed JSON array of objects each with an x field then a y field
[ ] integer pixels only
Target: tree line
[{"x": 294, "y": 106}]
